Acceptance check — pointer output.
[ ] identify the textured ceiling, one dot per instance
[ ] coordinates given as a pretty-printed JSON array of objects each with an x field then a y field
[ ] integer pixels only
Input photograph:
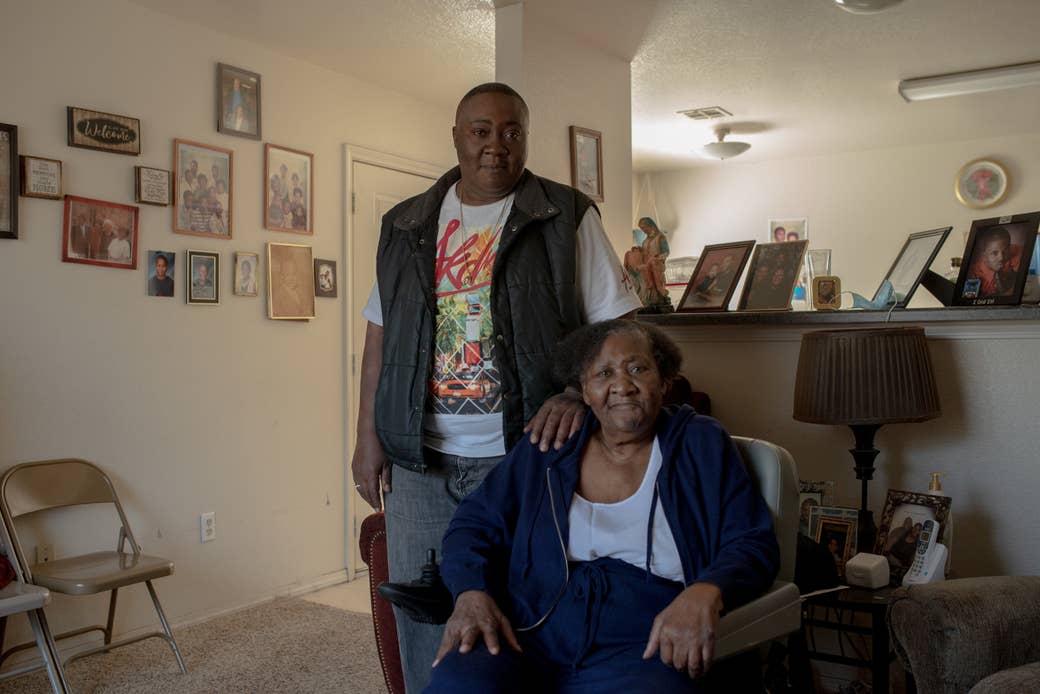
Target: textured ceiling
[{"x": 801, "y": 77}]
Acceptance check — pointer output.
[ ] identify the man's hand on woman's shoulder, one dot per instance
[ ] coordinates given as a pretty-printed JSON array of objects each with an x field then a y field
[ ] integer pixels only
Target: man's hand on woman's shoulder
[{"x": 558, "y": 419}]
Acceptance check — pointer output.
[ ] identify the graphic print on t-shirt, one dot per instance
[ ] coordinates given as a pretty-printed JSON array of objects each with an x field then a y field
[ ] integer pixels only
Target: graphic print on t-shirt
[{"x": 464, "y": 379}]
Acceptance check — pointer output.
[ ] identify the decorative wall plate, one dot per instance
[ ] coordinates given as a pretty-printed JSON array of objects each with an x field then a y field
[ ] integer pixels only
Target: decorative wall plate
[{"x": 982, "y": 183}]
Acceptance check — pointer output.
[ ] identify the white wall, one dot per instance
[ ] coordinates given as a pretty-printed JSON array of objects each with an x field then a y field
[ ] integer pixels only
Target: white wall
[{"x": 190, "y": 408}]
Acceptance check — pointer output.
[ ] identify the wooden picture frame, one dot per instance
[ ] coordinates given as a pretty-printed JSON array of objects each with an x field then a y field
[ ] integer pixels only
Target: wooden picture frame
[
  {"x": 715, "y": 278},
  {"x": 812, "y": 493},
  {"x": 981, "y": 184},
  {"x": 838, "y": 537},
  {"x": 153, "y": 186},
  {"x": 826, "y": 293},
  {"x": 325, "y": 282},
  {"x": 587, "y": 161},
  {"x": 291, "y": 172},
  {"x": 290, "y": 283},
  {"x": 1013, "y": 238},
  {"x": 104, "y": 132},
  {"x": 202, "y": 277},
  {"x": 246, "y": 279},
  {"x": 774, "y": 271},
  {"x": 9, "y": 181},
  {"x": 900, "y": 521},
  {"x": 842, "y": 513},
  {"x": 193, "y": 161},
  {"x": 238, "y": 102},
  {"x": 909, "y": 268},
  {"x": 40, "y": 177},
  {"x": 98, "y": 232}
]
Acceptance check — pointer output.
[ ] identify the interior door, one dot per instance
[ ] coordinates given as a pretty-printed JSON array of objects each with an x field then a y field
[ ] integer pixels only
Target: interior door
[{"x": 375, "y": 189}]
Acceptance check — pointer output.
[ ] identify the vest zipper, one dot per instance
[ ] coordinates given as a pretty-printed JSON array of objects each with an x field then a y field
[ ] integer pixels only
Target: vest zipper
[{"x": 563, "y": 550}]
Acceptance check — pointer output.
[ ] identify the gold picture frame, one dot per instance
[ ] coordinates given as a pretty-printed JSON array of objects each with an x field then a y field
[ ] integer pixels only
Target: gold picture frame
[
  {"x": 290, "y": 281},
  {"x": 826, "y": 293}
]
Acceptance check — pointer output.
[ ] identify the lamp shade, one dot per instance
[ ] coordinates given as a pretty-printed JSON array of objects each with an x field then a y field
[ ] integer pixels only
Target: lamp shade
[{"x": 873, "y": 376}]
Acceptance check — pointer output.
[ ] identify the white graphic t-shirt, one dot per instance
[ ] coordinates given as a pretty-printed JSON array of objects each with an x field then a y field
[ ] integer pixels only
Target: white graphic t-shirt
[{"x": 464, "y": 406}]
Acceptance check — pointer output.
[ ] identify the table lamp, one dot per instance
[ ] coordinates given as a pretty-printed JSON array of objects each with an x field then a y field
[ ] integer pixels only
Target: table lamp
[{"x": 865, "y": 378}]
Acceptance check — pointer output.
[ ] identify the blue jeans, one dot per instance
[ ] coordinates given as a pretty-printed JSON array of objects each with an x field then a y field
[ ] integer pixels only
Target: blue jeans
[{"x": 417, "y": 514}]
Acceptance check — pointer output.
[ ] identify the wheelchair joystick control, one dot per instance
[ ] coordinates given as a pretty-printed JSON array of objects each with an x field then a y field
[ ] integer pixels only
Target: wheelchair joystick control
[{"x": 426, "y": 600}]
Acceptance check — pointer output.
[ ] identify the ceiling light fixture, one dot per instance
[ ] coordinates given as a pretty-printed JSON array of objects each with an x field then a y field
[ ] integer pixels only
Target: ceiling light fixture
[
  {"x": 866, "y": 6},
  {"x": 723, "y": 150},
  {"x": 971, "y": 82}
]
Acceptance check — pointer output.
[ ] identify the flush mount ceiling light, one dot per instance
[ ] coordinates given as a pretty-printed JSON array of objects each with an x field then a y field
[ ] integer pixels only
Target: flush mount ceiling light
[
  {"x": 866, "y": 6},
  {"x": 972, "y": 82},
  {"x": 723, "y": 150}
]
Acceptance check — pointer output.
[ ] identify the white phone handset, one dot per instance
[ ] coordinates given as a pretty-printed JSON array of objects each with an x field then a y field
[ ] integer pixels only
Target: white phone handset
[{"x": 929, "y": 557}]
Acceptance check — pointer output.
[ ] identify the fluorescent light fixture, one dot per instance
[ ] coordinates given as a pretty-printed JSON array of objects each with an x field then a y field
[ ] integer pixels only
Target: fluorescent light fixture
[
  {"x": 866, "y": 6},
  {"x": 971, "y": 82}
]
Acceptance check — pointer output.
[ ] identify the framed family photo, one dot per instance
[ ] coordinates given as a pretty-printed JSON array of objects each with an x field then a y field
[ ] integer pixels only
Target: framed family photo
[
  {"x": 290, "y": 283},
  {"x": 152, "y": 186},
  {"x": 161, "y": 273},
  {"x": 914, "y": 259},
  {"x": 202, "y": 275},
  {"x": 9, "y": 184},
  {"x": 325, "y": 278},
  {"x": 203, "y": 189},
  {"x": 247, "y": 269},
  {"x": 96, "y": 232},
  {"x": 790, "y": 229},
  {"x": 289, "y": 189},
  {"x": 102, "y": 131},
  {"x": 587, "y": 161},
  {"x": 775, "y": 270},
  {"x": 713, "y": 281},
  {"x": 238, "y": 102},
  {"x": 996, "y": 260},
  {"x": 901, "y": 523},
  {"x": 41, "y": 178}
]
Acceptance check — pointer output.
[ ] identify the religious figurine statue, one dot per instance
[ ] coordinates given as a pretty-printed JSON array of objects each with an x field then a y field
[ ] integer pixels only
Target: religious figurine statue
[{"x": 645, "y": 265}]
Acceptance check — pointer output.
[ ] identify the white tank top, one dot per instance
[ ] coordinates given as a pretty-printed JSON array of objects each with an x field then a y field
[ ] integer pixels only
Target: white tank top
[{"x": 619, "y": 529}]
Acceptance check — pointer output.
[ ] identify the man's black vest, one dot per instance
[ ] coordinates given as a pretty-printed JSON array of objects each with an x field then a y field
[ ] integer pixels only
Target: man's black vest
[{"x": 534, "y": 303}]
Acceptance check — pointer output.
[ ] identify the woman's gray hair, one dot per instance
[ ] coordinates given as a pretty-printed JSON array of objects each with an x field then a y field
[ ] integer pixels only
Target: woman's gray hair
[{"x": 576, "y": 351}]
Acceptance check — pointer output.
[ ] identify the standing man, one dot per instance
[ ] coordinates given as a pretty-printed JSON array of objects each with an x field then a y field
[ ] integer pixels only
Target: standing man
[{"x": 477, "y": 280}]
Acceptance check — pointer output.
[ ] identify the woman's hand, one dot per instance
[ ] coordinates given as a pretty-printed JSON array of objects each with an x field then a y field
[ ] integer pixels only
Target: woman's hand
[
  {"x": 476, "y": 614},
  {"x": 685, "y": 630},
  {"x": 558, "y": 419}
]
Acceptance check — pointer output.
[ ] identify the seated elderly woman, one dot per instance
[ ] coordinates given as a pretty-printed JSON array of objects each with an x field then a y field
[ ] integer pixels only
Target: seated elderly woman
[{"x": 604, "y": 566}]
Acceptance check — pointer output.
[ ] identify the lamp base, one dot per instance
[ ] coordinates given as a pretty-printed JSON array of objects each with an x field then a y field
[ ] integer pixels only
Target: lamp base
[{"x": 866, "y": 532}]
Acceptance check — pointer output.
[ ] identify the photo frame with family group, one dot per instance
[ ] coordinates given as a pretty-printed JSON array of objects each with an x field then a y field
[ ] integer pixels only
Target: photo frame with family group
[
  {"x": 900, "y": 526},
  {"x": 715, "y": 277},
  {"x": 996, "y": 260},
  {"x": 203, "y": 189},
  {"x": 238, "y": 102},
  {"x": 97, "y": 232},
  {"x": 775, "y": 270},
  {"x": 587, "y": 161},
  {"x": 9, "y": 183},
  {"x": 288, "y": 189},
  {"x": 914, "y": 259}
]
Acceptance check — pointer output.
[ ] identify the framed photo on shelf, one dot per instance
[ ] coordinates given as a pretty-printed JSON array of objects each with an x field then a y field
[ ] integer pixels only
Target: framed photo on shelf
[
  {"x": 775, "y": 270},
  {"x": 713, "y": 281},
  {"x": 290, "y": 281},
  {"x": 161, "y": 273},
  {"x": 996, "y": 260},
  {"x": 981, "y": 184},
  {"x": 238, "y": 102},
  {"x": 203, "y": 189},
  {"x": 826, "y": 293},
  {"x": 914, "y": 259},
  {"x": 9, "y": 183},
  {"x": 288, "y": 189},
  {"x": 102, "y": 131},
  {"x": 96, "y": 232},
  {"x": 247, "y": 272},
  {"x": 841, "y": 513},
  {"x": 790, "y": 229},
  {"x": 587, "y": 161},
  {"x": 41, "y": 178},
  {"x": 152, "y": 186},
  {"x": 901, "y": 522},
  {"x": 811, "y": 493},
  {"x": 837, "y": 536},
  {"x": 325, "y": 278},
  {"x": 202, "y": 272}
]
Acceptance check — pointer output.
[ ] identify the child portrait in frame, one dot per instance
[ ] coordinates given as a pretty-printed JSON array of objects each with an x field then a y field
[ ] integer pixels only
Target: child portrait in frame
[
  {"x": 161, "y": 273},
  {"x": 997, "y": 259},
  {"x": 203, "y": 277},
  {"x": 247, "y": 266},
  {"x": 290, "y": 281}
]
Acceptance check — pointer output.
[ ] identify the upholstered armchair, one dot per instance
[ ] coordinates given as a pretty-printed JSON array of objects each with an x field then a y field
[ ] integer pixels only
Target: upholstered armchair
[{"x": 977, "y": 635}]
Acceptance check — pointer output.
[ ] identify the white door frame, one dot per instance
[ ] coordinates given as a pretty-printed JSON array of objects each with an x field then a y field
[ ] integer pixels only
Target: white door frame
[{"x": 351, "y": 323}]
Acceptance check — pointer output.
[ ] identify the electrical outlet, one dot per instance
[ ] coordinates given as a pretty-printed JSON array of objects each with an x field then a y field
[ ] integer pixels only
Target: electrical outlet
[
  {"x": 44, "y": 553},
  {"x": 208, "y": 526}
]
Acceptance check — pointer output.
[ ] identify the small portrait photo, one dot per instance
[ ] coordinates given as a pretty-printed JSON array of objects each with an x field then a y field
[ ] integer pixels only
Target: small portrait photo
[
  {"x": 901, "y": 524},
  {"x": 811, "y": 494},
  {"x": 290, "y": 281},
  {"x": 713, "y": 280},
  {"x": 837, "y": 536},
  {"x": 247, "y": 270},
  {"x": 587, "y": 161},
  {"x": 792, "y": 229},
  {"x": 997, "y": 259},
  {"x": 288, "y": 189},
  {"x": 203, "y": 277},
  {"x": 238, "y": 102},
  {"x": 97, "y": 232},
  {"x": 775, "y": 270},
  {"x": 160, "y": 272},
  {"x": 325, "y": 278},
  {"x": 202, "y": 189},
  {"x": 826, "y": 293}
]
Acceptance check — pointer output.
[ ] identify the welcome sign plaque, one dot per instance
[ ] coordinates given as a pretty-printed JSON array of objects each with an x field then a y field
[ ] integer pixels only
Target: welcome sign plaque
[{"x": 104, "y": 131}]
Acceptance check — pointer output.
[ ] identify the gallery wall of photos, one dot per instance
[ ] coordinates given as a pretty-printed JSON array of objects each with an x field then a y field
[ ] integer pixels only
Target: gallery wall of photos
[{"x": 198, "y": 190}]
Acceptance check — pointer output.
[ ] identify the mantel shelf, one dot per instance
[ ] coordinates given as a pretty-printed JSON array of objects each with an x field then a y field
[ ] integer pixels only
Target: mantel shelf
[{"x": 846, "y": 317}]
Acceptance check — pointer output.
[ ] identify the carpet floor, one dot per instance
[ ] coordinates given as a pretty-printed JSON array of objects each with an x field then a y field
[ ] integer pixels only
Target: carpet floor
[{"x": 287, "y": 645}]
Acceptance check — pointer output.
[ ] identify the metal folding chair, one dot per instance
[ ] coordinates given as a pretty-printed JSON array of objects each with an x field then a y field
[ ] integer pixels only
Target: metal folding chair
[{"x": 37, "y": 487}]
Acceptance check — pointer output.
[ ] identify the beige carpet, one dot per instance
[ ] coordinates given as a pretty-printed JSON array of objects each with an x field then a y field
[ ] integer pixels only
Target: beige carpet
[{"x": 285, "y": 646}]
